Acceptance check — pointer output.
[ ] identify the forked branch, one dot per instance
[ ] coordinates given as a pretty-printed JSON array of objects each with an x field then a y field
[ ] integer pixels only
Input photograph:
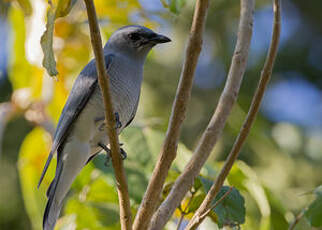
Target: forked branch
[
  {"x": 217, "y": 123},
  {"x": 103, "y": 78},
  {"x": 169, "y": 148},
  {"x": 266, "y": 73}
]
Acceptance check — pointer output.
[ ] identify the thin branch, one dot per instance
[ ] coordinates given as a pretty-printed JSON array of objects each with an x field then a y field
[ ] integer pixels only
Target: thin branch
[
  {"x": 215, "y": 205},
  {"x": 296, "y": 220},
  {"x": 103, "y": 78},
  {"x": 169, "y": 148},
  {"x": 217, "y": 123},
  {"x": 184, "y": 212},
  {"x": 256, "y": 101}
]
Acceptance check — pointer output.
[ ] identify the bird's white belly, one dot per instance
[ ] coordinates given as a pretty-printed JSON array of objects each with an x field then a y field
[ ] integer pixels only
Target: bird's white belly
[{"x": 88, "y": 126}]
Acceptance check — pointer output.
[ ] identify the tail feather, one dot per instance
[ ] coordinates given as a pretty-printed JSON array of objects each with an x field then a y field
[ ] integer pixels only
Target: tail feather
[
  {"x": 70, "y": 161},
  {"x": 53, "y": 206},
  {"x": 51, "y": 214},
  {"x": 50, "y": 157}
]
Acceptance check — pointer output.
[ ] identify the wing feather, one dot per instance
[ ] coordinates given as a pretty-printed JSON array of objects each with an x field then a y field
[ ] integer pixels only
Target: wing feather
[{"x": 81, "y": 92}]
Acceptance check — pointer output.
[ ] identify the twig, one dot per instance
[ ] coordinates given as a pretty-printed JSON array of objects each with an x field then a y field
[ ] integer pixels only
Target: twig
[
  {"x": 296, "y": 220},
  {"x": 217, "y": 123},
  {"x": 169, "y": 148},
  {"x": 264, "y": 79},
  {"x": 184, "y": 212},
  {"x": 103, "y": 78},
  {"x": 180, "y": 221},
  {"x": 217, "y": 203}
]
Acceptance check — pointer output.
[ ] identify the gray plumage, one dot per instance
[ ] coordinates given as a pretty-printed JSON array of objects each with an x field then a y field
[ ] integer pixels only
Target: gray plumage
[{"x": 81, "y": 125}]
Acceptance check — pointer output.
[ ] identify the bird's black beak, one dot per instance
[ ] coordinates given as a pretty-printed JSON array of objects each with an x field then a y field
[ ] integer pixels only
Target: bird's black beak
[{"x": 159, "y": 38}]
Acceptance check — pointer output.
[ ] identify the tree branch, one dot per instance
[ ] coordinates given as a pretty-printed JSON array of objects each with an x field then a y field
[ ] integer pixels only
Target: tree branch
[
  {"x": 122, "y": 189},
  {"x": 169, "y": 148},
  {"x": 264, "y": 79},
  {"x": 215, "y": 205},
  {"x": 297, "y": 219},
  {"x": 217, "y": 123}
]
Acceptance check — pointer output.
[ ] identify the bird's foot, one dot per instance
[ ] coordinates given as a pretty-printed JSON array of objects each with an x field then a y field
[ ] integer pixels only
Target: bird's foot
[
  {"x": 117, "y": 120},
  {"x": 123, "y": 154},
  {"x": 108, "y": 153}
]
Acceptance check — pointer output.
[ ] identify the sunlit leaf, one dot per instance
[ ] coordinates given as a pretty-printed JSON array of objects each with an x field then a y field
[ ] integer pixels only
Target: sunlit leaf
[
  {"x": 33, "y": 153},
  {"x": 195, "y": 202},
  {"x": 47, "y": 43},
  {"x": 244, "y": 178},
  {"x": 314, "y": 212},
  {"x": 20, "y": 70},
  {"x": 93, "y": 215},
  {"x": 62, "y": 9}
]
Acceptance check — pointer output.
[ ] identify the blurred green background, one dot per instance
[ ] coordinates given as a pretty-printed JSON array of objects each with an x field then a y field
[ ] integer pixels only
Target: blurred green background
[{"x": 279, "y": 167}]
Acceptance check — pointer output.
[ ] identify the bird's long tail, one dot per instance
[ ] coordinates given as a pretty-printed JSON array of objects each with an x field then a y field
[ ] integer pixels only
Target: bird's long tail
[{"x": 69, "y": 163}]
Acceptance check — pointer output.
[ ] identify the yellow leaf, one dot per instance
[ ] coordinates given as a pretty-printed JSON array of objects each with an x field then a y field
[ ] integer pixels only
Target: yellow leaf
[
  {"x": 33, "y": 153},
  {"x": 19, "y": 68}
]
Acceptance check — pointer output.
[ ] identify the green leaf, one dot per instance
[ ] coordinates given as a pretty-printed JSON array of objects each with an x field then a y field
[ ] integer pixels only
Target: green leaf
[
  {"x": 230, "y": 211},
  {"x": 63, "y": 8},
  {"x": 47, "y": 44},
  {"x": 195, "y": 202},
  {"x": 314, "y": 212},
  {"x": 93, "y": 215}
]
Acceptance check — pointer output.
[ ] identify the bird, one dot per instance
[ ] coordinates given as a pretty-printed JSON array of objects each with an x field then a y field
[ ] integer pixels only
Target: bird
[{"x": 81, "y": 132}]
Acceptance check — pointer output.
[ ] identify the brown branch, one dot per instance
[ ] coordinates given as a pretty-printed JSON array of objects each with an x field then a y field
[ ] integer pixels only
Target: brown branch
[
  {"x": 297, "y": 220},
  {"x": 122, "y": 189},
  {"x": 215, "y": 205},
  {"x": 169, "y": 148},
  {"x": 256, "y": 101},
  {"x": 217, "y": 123}
]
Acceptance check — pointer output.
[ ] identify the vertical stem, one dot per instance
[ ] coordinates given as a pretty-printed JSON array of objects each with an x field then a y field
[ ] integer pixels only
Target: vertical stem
[
  {"x": 103, "y": 78},
  {"x": 217, "y": 122},
  {"x": 169, "y": 148},
  {"x": 256, "y": 101}
]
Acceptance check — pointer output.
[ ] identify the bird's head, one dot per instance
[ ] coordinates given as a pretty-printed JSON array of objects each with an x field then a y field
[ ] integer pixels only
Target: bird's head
[{"x": 134, "y": 40}]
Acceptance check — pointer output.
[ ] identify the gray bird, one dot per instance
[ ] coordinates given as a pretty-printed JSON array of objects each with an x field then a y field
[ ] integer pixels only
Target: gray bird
[{"x": 81, "y": 132}]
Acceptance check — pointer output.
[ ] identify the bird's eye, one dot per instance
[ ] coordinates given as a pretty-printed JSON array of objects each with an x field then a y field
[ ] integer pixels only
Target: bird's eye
[{"x": 134, "y": 36}]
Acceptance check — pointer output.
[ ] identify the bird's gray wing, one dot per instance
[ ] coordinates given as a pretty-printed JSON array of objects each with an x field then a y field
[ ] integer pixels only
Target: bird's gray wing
[
  {"x": 78, "y": 97},
  {"x": 133, "y": 113}
]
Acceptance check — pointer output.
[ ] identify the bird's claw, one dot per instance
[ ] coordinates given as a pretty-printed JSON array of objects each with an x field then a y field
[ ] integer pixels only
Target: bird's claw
[
  {"x": 108, "y": 153},
  {"x": 117, "y": 120},
  {"x": 123, "y": 154}
]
